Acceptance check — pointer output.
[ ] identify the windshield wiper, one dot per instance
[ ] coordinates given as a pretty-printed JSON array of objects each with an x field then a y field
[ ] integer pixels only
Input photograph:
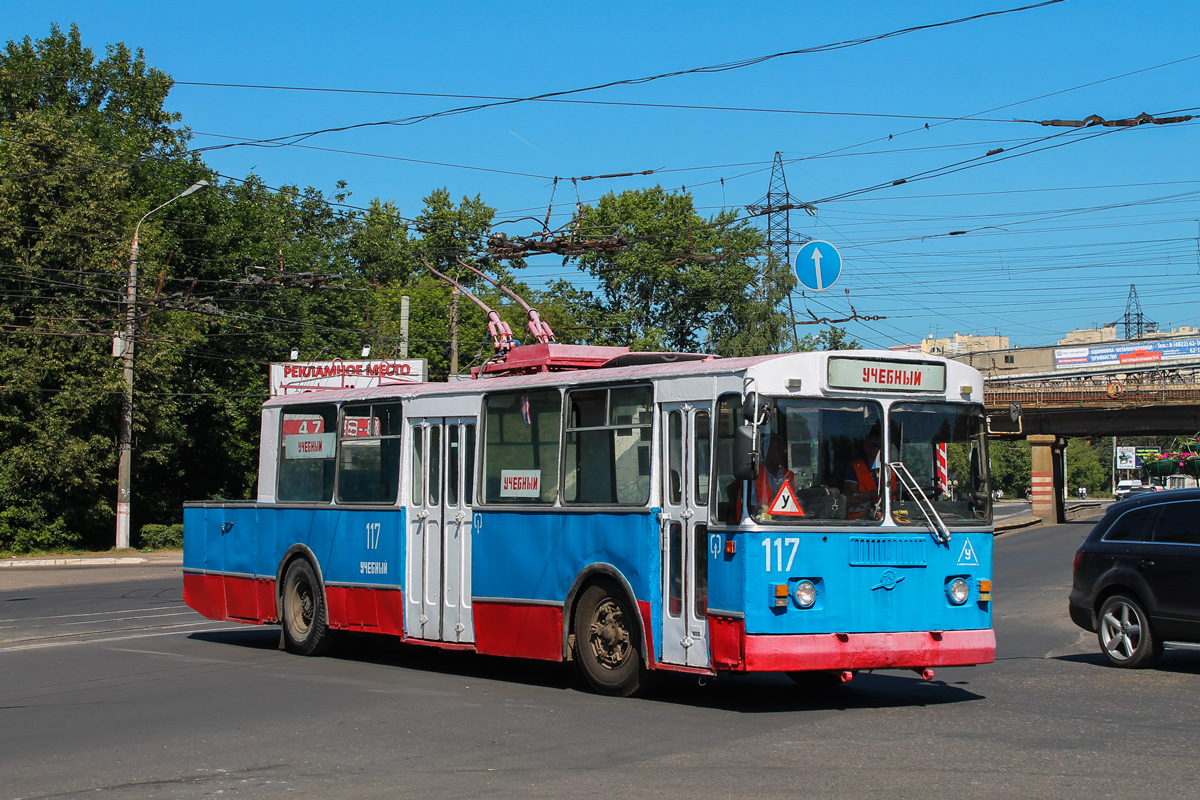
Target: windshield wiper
[{"x": 940, "y": 531}]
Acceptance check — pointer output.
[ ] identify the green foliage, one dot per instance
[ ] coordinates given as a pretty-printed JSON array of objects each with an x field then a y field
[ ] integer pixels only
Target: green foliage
[
  {"x": 161, "y": 537},
  {"x": 685, "y": 283},
  {"x": 832, "y": 338},
  {"x": 1012, "y": 466},
  {"x": 1089, "y": 464},
  {"x": 117, "y": 101},
  {"x": 25, "y": 529}
]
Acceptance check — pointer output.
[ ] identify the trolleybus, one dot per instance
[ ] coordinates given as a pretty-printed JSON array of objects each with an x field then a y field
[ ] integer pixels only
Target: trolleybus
[{"x": 801, "y": 513}]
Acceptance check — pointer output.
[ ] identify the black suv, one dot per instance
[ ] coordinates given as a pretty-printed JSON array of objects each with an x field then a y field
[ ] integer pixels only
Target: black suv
[{"x": 1136, "y": 577}]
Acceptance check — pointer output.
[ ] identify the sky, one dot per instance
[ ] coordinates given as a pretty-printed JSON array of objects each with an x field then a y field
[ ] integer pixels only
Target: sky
[{"x": 1042, "y": 238}]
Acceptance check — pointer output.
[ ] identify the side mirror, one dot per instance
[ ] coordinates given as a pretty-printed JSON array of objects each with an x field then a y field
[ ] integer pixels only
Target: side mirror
[
  {"x": 750, "y": 403},
  {"x": 745, "y": 453}
]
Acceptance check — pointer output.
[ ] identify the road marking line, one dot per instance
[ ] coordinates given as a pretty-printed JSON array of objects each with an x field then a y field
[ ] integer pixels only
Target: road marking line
[{"x": 57, "y": 641}]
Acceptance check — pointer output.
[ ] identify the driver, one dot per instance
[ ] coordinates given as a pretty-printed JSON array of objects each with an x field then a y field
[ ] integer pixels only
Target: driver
[{"x": 861, "y": 483}]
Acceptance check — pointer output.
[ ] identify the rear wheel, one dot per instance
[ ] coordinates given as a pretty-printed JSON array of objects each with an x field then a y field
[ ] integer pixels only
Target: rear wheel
[
  {"x": 607, "y": 646},
  {"x": 1126, "y": 638},
  {"x": 305, "y": 621}
]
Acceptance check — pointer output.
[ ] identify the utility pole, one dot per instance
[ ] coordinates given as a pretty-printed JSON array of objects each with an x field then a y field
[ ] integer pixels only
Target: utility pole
[
  {"x": 404, "y": 326},
  {"x": 1135, "y": 321},
  {"x": 775, "y": 206},
  {"x": 123, "y": 346},
  {"x": 453, "y": 332}
]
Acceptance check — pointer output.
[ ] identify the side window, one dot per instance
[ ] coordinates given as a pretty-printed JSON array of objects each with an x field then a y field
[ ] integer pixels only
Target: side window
[
  {"x": 1177, "y": 524},
  {"x": 1134, "y": 526},
  {"x": 308, "y": 436},
  {"x": 520, "y": 447},
  {"x": 433, "y": 476},
  {"x": 608, "y": 446},
  {"x": 675, "y": 458},
  {"x": 702, "y": 424},
  {"x": 368, "y": 464},
  {"x": 453, "y": 457},
  {"x": 418, "y": 464},
  {"x": 469, "y": 470},
  {"x": 726, "y": 490}
]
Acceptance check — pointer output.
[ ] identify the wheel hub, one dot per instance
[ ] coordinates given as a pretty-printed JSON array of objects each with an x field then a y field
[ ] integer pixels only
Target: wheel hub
[{"x": 609, "y": 635}]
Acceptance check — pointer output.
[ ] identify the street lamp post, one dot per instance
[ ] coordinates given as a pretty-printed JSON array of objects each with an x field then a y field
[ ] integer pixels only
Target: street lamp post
[{"x": 125, "y": 433}]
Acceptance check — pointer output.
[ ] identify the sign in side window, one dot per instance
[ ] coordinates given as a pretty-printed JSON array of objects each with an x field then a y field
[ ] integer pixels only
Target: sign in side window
[
  {"x": 307, "y": 455},
  {"x": 904, "y": 376},
  {"x": 368, "y": 465},
  {"x": 520, "y": 447},
  {"x": 607, "y": 449}
]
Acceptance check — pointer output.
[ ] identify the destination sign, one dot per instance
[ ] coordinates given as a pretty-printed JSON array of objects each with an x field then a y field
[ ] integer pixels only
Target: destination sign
[{"x": 908, "y": 376}]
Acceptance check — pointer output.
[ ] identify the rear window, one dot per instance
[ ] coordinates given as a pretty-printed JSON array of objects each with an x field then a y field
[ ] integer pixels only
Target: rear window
[
  {"x": 1179, "y": 523},
  {"x": 1133, "y": 526}
]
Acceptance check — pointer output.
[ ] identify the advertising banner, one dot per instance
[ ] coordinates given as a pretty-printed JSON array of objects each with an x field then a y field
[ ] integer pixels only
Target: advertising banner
[
  {"x": 291, "y": 377},
  {"x": 1126, "y": 353},
  {"x": 1144, "y": 453}
]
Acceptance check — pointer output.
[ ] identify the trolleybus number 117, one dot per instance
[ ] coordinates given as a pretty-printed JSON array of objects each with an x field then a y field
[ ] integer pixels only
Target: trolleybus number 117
[
  {"x": 780, "y": 544},
  {"x": 373, "y": 535}
]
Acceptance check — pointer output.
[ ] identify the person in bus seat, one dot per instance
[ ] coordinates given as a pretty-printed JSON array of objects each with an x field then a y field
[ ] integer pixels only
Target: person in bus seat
[{"x": 861, "y": 483}]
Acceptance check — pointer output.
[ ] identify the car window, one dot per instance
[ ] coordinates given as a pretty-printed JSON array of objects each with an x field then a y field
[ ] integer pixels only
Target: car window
[
  {"x": 1133, "y": 526},
  {"x": 1179, "y": 523}
]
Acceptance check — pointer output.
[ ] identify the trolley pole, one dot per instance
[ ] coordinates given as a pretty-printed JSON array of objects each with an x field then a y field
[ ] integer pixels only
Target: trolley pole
[{"x": 126, "y": 347}]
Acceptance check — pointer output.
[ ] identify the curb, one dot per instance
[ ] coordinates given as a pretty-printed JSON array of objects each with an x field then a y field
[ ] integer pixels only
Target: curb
[
  {"x": 84, "y": 561},
  {"x": 1018, "y": 524}
]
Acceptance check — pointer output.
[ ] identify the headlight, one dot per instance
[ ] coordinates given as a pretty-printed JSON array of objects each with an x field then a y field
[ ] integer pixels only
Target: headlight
[
  {"x": 958, "y": 591},
  {"x": 805, "y": 594}
]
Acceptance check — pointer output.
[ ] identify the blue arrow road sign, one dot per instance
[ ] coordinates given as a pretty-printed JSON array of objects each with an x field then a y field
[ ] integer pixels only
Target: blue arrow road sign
[{"x": 818, "y": 265}]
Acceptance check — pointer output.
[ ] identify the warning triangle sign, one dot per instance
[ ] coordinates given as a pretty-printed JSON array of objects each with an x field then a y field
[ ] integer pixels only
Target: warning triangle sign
[{"x": 785, "y": 503}]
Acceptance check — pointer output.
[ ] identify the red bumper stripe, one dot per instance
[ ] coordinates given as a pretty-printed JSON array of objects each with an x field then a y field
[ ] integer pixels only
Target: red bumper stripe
[{"x": 911, "y": 649}]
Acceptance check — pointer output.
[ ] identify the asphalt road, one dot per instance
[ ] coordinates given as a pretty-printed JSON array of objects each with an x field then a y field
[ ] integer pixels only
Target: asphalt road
[{"x": 109, "y": 686}]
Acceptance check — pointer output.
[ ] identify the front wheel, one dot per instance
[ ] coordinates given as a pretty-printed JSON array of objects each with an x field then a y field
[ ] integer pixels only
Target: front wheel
[
  {"x": 1126, "y": 638},
  {"x": 606, "y": 642},
  {"x": 305, "y": 621}
]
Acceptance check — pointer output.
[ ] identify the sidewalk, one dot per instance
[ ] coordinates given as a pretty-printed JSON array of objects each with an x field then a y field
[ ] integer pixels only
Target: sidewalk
[{"x": 158, "y": 557}]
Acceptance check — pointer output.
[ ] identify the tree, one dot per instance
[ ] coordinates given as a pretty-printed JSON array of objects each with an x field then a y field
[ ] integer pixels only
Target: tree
[
  {"x": 1012, "y": 466},
  {"x": 1089, "y": 465},
  {"x": 832, "y": 338},
  {"x": 683, "y": 283}
]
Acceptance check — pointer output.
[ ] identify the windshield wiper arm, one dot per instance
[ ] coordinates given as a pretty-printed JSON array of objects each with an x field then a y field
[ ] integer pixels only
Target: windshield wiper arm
[{"x": 940, "y": 531}]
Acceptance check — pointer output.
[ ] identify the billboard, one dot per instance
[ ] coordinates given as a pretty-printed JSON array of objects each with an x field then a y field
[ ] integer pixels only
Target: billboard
[
  {"x": 1144, "y": 453},
  {"x": 291, "y": 377},
  {"x": 1131, "y": 353},
  {"x": 1126, "y": 457}
]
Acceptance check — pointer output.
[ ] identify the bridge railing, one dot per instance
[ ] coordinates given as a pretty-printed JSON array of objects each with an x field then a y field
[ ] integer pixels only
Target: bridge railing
[{"x": 1113, "y": 393}]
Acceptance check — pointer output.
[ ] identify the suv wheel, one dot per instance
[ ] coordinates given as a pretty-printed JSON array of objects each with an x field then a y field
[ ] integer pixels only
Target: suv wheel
[{"x": 1126, "y": 638}]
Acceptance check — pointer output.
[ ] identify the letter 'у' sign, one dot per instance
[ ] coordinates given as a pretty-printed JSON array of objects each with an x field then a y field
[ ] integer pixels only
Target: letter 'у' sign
[{"x": 818, "y": 265}]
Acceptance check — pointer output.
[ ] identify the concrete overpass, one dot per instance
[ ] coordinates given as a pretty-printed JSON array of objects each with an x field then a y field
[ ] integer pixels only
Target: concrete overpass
[{"x": 1121, "y": 400}]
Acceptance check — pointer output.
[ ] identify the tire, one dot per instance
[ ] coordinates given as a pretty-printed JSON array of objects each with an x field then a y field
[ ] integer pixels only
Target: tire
[
  {"x": 1125, "y": 635},
  {"x": 607, "y": 646},
  {"x": 303, "y": 612}
]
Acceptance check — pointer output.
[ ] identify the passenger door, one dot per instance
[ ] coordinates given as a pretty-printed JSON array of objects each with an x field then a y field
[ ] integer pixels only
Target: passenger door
[
  {"x": 686, "y": 432},
  {"x": 1171, "y": 566},
  {"x": 438, "y": 547}
]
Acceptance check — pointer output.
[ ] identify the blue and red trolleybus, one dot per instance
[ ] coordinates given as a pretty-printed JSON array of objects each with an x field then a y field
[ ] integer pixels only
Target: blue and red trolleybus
[{"x": 800, "y": 513}]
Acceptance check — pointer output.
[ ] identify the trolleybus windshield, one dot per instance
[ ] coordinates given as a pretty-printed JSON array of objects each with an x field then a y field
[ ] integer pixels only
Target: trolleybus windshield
[{"x": 943, "y": 446}]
